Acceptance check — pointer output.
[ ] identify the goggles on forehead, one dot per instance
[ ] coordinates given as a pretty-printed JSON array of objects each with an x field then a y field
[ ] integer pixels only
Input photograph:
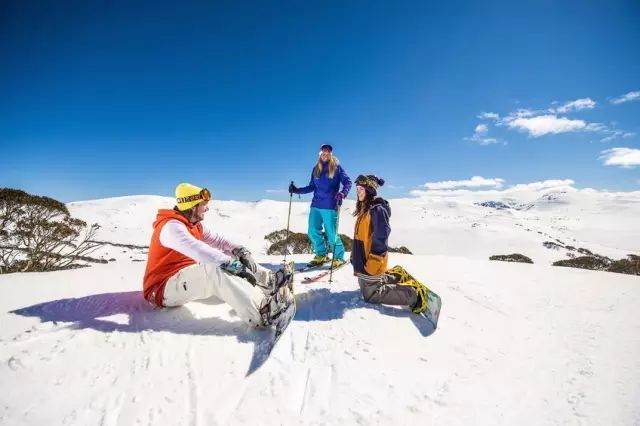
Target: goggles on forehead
[
  {"x": 366, "y": 181},
  {"x": 204, "y": 195}
]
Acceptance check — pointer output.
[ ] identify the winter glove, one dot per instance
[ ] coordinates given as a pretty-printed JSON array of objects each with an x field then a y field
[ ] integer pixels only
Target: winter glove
[
  {"x": 293, "y": 189},
  {"x": 233, "y": 266},
  {"x": 236, "y": 267},
  {"x": 339, "y": 197},
  {"x": 244, "y": 255}
]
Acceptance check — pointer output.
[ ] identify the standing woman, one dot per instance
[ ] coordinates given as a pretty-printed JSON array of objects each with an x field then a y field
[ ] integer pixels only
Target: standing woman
[
  {"x": 370, "y": 252},
  {"x": 326, "y": 177}
]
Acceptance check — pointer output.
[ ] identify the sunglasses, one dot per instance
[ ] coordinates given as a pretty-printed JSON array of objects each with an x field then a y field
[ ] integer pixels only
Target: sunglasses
[{"x": 204, "y": 194}]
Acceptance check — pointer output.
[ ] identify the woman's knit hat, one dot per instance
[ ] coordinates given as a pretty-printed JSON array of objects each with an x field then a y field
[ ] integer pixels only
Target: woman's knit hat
[{"x": 370, "y": 183}]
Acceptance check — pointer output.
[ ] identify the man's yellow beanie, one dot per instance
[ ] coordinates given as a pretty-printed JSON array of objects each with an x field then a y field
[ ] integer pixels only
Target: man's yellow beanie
[{"x": 188, "y": 196}]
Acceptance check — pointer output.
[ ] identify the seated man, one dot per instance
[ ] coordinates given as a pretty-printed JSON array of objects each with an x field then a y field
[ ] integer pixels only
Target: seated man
[{"x": 188, "y": 262}]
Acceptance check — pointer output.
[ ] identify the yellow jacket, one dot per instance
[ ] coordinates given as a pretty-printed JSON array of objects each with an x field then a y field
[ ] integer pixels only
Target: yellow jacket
[{"x": 370, "y": 241}]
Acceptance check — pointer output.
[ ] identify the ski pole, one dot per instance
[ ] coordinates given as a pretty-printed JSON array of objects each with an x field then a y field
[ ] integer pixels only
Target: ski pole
[
  {"x": 335, "y": 240},
  {"x": 286, "y": 242}
]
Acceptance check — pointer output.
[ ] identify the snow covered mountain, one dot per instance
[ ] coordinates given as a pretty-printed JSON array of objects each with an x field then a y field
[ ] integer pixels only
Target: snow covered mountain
[
  {"x": 470, "y": 224},
  {"x": 516, "y": 343}
]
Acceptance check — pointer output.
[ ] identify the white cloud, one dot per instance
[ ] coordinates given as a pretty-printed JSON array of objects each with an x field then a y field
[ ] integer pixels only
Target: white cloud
[
  {"x": 482, "y": 129},
  {"x": 276, "y": 191},
  {"x": 577, "y": 105},
  {"x": 542, "y": 185},
  {"x": 480, "y": 136},
  {"x": 488, "y": 116},
  {"x": 621, "y": 157},
  {"x": 492, "y": 189},
  {"x": 538, "y": 123},
  {"x": 627, "y": 97},
  {"x": 545, "y": 124},
  {"x": 614, "y": 134},
  {"x": 522, "y": 112},
  {"x": 474, "y": 182},
  {"x": 485, "y": 141}
]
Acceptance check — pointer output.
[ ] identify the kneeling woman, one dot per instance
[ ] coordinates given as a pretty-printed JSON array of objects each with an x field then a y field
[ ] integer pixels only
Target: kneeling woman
[{"x": 369, "y": 254}]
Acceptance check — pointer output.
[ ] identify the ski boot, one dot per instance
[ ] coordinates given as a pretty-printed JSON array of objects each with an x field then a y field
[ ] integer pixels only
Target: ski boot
[
  {"x": 317, "y": 261},
  {"x": 336, "y": 263}
]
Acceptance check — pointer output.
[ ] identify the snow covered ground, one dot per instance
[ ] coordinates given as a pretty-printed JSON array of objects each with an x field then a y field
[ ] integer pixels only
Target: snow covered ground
[{"x": 516, "y": 343}]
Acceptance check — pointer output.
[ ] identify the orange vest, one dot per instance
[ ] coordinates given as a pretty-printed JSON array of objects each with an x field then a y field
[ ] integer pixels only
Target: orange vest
[{"x": 163, "y": 262}]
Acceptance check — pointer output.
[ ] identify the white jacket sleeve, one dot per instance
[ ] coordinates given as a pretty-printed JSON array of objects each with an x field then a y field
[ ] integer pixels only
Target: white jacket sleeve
[
  {"x": 217, "y": 241},
  {"x": 174, "y": 235}
]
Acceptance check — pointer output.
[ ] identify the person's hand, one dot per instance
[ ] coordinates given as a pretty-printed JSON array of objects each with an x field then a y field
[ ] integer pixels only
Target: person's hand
[
  {"x": 236, "y": 267},
  {"x": 244, "y": 256},
  {"x": 293, "y": 189},
  {"x": 233, "y": 266},
  {"x": 339, "y": 197}
]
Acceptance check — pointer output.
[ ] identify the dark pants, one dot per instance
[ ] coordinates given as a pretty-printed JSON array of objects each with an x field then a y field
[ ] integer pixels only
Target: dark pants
[{"x": 384, "y": 289}]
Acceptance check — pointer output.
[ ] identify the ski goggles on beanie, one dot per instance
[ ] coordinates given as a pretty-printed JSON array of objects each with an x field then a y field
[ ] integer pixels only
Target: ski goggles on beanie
[
  {"x": 370, "y": 183},
  {"x": 189, "y": 196},
  {"x": 327, "y": 147}
]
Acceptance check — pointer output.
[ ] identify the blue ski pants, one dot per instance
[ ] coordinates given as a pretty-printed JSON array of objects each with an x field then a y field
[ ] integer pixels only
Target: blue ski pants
[{"x": 328, "y": 218}]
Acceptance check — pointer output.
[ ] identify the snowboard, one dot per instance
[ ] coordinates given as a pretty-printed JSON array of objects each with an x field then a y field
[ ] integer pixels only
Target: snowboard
[
  {"x": 399, "y": 275},
  {"x": 434, "y": 303},
  {"x": 284, "y": 319}
]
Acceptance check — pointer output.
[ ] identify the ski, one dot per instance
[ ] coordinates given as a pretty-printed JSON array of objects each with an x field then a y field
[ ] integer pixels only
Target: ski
[
  {"x": 307, "y": 268},
  {"x": 321, "y": 275}
]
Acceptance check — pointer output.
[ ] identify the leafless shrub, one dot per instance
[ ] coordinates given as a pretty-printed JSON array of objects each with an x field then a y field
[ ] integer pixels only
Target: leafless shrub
[{"x": 38, "y": 234}]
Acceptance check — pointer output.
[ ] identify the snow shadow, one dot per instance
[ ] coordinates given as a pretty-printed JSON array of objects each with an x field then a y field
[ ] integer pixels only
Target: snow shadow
[
  {"x": 324, "y": 305},
  {"x": 93, "y": 312},
  {"x": 106, "y": 313}
]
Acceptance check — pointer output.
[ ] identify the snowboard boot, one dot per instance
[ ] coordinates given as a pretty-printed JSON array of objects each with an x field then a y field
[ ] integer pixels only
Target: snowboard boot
[
  {"x": 271, "y": 281},
  {"x": 283, "y": 277},
  {"x": 274, "y": 305},
  {"x": 399, "y": 275},
  {"x": 421, "y": 300},
  {"x": 317, "y": 261}
]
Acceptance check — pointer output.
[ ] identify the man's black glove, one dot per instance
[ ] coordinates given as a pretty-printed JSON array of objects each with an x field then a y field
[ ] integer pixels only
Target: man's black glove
[{"x": 244, "y": 255}]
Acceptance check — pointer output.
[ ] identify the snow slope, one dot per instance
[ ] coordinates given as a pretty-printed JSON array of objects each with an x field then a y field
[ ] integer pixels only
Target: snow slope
[{"x": 516, "y": 343}]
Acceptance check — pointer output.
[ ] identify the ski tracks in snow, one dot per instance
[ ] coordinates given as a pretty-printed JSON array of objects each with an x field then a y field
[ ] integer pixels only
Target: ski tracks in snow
[{"x": 118, "y": 386}]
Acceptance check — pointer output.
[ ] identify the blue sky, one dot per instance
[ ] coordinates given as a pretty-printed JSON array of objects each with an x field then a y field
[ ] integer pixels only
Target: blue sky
[{"x": 104, "y": 99}]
